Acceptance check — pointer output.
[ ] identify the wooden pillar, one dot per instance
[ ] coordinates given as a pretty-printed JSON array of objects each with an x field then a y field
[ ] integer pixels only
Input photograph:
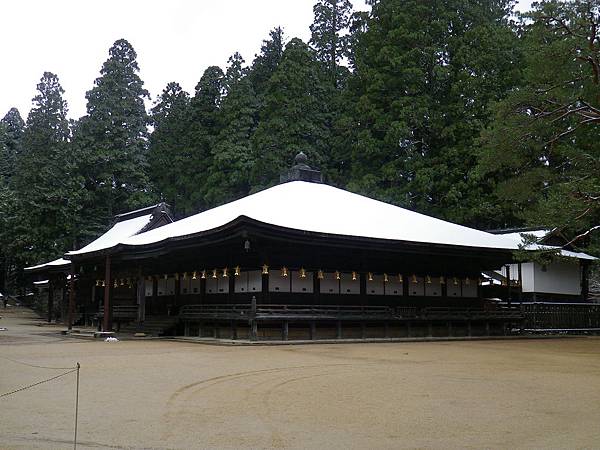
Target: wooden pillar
[
  {"x": 430, "y": 328},
  {"x": 449, "y": 329},
  {"x": 107, "y": 325},
  {"x": 386, "y": 329},
  {"x": 338, "y": 333},
  {"x": 509, "y": 284},
  {"x": 363, "y": 330},
  {"x": 141, "y": 297},
  {"x": 233, "y": 330},
  {"x": 585, "y": 281},
  {"x": 487, "y": 328},
  {"x": 50, "y": 299},
  {"x": 313, "y": 330},
  {"x": 285, "y": 331},
  {"x": 176, "y": 297},
  {"x": 71, "y": 297},
  {"x": 469, "y": 328},
  {"x": 186, "y": 328},
  {"x": 520, "y": 275},
  {"x": 253, "y": 324}
]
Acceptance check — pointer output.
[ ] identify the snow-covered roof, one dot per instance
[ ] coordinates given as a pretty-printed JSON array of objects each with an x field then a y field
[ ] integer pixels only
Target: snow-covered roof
[
  {"x": 40, "y": 283},
  {"x": 56, "y": 263},
  {"x": 320, "y": 208},
  {"x": 117, "y": 234},
  {"x": 520, "y": 239}
]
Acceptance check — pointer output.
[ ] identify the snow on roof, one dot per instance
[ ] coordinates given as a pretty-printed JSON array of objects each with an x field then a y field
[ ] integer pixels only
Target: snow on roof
[
  {"x": 325, "y": 209},
  {"x": 56, "y": 263},
  {"x": 520, "y": 238},
  {"x": 40, "y": 283},
  {"x": 117, "y": 234}
]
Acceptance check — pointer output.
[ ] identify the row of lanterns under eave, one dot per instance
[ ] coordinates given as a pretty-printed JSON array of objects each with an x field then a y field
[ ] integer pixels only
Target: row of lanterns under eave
[{"x": 285, "y": 272}]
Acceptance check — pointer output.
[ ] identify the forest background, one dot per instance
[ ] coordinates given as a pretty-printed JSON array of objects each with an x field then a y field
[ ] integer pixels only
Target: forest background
[{"x": 461, "y": 109}]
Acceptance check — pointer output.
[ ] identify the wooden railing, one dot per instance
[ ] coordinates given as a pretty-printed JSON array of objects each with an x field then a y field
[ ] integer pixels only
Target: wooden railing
[
  {"x": 561, "y": 316},
  {"x": 121, "y": 312}
]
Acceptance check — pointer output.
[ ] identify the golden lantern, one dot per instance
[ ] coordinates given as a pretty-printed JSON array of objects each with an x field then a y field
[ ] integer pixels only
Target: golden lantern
[
  {"x": 320, "y": 274},
  {"x": 353, "y": 276},
  {"x": 442, "y": 280},
  {"x": 115, "y": 284},
  {"x": 185, "y": 275},
  {"x": 337, "y": 275},
  {"x": 265, "y": 269},
  {"x": 103, "y": 283},
  {"x": 455, "y": 281},
  {"x": 225, "y": 272},
  {"x": 467, "y": 281},
  {"x": 284, "y": 272},
  {"x": 214, "y": 273},
  {"x": 302, "y": 272},
  {"x": 428, "y": 279},
  {"x": 400, "y": 278},
  {"x": 176, "y": 276},
  {"x": 385, "y": 278},
  {"x": 97, "y": 282},
  {"x": 414, "y": 278},
  {"x": 203, "y": 274},
  {"x": 122, "y": 281},
  {"x": 236, "y": 271},
  {"x": 370, "y": 276},
  {"x": 194, "y": 277}
]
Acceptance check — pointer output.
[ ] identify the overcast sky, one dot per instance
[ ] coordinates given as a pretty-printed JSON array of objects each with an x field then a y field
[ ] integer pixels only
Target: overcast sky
[{"x": 175, "y": 40}]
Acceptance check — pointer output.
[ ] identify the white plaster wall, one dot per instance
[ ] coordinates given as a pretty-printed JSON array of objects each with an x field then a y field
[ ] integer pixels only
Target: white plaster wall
[
  {"x": 302, "y": 285},
  {"x": 559, "y": 278},
  {"x": 375, "y": 287}
]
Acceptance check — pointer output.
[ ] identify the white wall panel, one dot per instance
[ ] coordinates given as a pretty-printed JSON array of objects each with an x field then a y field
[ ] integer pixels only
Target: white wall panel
[
  {"x": 558, "y": 278},
  {"x": 254, "y": 281},
  {"x": 329, "y": 284},
  {"x": 348, "y": 285},
  {"x": 433, "y": 289},
  {"x": 162, "y": 287},
  {"x": 375, "y": 287},
  {"x": 148, "y": 288},
  {"x": 416, "y": 289},
  {"x": 453, "y": 290},
  {"x": 302, "y": 285},
  {"x": 241, "y": 283},
  {"x": 469, "y": 290},
  {"x": 277, "y": 283},
  {"x": 394, "y": 286}
]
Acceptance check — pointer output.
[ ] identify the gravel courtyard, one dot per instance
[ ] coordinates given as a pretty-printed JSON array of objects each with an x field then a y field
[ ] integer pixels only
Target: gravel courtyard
[{"x": 171, "y": 395}]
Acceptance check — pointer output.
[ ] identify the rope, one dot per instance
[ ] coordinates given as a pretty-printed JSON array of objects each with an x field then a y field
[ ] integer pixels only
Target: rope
[
  {"x": 37, "y": 367},
  {"x": 38, "y": 383}
]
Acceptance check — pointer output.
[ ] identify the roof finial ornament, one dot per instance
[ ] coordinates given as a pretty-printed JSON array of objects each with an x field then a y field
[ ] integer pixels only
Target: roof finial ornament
[{"x": 301, "y": 171}]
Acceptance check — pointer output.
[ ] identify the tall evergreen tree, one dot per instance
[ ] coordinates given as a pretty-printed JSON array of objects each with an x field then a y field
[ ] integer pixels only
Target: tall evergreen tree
[
  {"x": 46, "y": 185},
  {"x": 329, "y": 35},
  {"x": 112, "y": 138},
  {"x": 13, "y": 126},
  {"x": 170, "y": 147},
  {"x": 295, "y": 115},
  {"x": 426, "y": 73},
  {"x": 267, "y": 61},
  {"x": 232, "y": 158},
  {"x": 544, "y": 145}
]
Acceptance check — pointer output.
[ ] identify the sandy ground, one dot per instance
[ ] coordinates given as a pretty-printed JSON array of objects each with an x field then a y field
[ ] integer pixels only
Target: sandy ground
[{"x": 158, "y": 394}]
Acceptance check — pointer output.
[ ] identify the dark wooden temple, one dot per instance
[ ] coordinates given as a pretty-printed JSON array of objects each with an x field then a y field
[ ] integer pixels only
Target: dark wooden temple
[{"x": 252, "y": 280}]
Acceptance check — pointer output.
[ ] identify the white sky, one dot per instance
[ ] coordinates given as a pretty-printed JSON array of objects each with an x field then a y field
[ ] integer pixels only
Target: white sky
[{"x": 175, "y": 40}]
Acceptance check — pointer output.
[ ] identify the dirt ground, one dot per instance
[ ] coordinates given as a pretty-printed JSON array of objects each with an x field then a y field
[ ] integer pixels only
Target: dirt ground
[{"x": 158, "y": 394}]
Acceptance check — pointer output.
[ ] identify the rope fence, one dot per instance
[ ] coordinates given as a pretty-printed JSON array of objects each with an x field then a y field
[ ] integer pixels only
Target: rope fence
[{"x": 69, "y": 370}]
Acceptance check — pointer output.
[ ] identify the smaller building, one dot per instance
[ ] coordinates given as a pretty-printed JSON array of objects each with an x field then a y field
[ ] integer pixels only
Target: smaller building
[{"x": 563, "y": 278}]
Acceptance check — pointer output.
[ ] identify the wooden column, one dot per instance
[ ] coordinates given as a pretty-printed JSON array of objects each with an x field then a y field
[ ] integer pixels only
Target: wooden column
[
  {"x": 154, "y": 305},
  {"x": 71, "y": 297},
  {"x": 253, "y": 324},
  {"x": 520, "y": 283},
  {"x": 107, "y": 322},
  {"x": 141, "y": 297},
  {"x": 508, "y": 283},
  {"x": 50, "y": 299},
  {"x": 176, "y": 297},
  {"x": 585, "y": 281}
]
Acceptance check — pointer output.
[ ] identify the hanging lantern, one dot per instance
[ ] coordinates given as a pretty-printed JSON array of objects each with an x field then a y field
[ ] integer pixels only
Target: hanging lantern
[
  {"x": 214, "y": 273},
  {"x": 194, "y": 277},
  {"x": 414, "y": 278},
  {"x": 129, "y": 283},
  {"x": 236, "y": 271},
  {"x": 385, "y": 278},
  {"x": 165, "y": 276},
  {"x": 442, "y": 280},
  {"x": 353, "y": 276},
  {"x": 400, "y": 278},
  {"x": 149, "y": 278},
  {"x": 480, "y": 282},
  {"x": 115, "y": 284},
  {"x": 370, "y": 276},
  {"x": 185, "y": 275},
  {"x": 225, "y": 272},
  {"x": 455, "y": 281},
  {"x": 337, "y": 275},
  {"x": 103, "y": 283},
  {"x": 284, "y": 272},
  {"x": 320, "y": 274},
  {"x": 265, "y": 269},
  {"x": 122, "y": 281},
  {"x": 428, "y": 279},
  {"x": 302, "y": 272},
  {"x": 203, "y": 274},
  {"x": 97, "y": 282},
  {"x": 467, "y": 281},
  {"x": 176, "y": 276}
]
